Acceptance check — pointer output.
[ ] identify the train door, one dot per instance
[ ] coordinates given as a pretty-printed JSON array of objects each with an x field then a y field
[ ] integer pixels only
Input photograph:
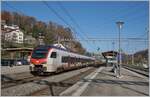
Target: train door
[
  {"x": 52, "y": 61},
  {"x": 54, "y": 57}
]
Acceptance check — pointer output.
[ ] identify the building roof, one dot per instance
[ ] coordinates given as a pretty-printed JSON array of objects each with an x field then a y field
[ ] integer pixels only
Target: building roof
[
  {"x": 110, "y": 53},
  {"x": 18, "y": 49}
]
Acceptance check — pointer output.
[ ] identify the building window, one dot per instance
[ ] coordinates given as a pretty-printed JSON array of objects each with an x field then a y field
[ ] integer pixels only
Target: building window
[{"x": 20, "y": 37}]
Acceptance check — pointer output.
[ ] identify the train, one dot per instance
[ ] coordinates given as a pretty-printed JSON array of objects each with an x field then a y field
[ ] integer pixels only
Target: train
[{"x": 52, "y": 59}]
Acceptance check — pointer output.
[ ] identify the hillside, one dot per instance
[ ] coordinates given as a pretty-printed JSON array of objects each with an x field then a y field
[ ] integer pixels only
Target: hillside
[
  {"x": 51, "y": 31},
  {"x": 141, "y": 56}
]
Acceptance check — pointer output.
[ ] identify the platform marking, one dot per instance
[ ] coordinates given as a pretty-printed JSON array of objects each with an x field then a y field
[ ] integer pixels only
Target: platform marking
[
  {"x": 80, "y": 86},
  {"x": 136, "y": 74}
]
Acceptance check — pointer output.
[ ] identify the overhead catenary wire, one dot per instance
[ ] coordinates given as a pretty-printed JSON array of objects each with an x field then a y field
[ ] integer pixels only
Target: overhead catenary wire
[
  {"x": 52, "y": 11},
  {"x": 59, "y": 16},
  {"x": 72, "y": 19},
  {"x": 131, "y": 39},
  {"x": 128, "y": 14},
  {"x": 74, "y": 22},
  {"x": 13, "y": 8},
  {"x": 78, "y": 27},
  {"x": 111, "y": 39}
]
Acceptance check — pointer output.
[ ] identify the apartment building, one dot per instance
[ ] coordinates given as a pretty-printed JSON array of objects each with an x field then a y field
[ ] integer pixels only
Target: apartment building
[{"x": 13, "y": 34}]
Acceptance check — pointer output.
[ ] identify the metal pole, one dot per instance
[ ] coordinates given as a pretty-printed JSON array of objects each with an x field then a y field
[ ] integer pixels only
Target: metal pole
[
  {"x": 128, "y": 54},
  {"x": 148, "y": 47},
  {"x": 113, "y": 48},
  {"x": 120, "y": 61},
  {"x": 133, "y": 58},
  {"x": 119, "y": 23},
  {"x": 148, "y": 44}
]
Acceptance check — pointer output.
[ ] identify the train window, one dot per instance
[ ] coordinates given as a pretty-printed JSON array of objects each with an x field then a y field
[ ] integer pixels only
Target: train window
[
  {"x": 65, "y": 59},
  {"x": 39, "y": 53},
  {"x": 53, "y": 55}
]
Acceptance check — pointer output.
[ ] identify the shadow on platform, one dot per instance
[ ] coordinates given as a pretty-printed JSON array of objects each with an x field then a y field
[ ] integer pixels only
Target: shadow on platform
[
  {"x": 107, "y": 81},
  {"x": 121, "y": 83},
  {"x": 51, "y": 85}
]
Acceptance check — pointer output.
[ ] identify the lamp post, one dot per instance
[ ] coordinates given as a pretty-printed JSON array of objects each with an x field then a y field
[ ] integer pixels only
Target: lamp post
[{"x": 119, "y": 24}]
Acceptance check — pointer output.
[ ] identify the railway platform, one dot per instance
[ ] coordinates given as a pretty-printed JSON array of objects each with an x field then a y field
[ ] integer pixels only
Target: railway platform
[
  {"x": 5, "y": 70},
  {"x": 103, "y": 82}
]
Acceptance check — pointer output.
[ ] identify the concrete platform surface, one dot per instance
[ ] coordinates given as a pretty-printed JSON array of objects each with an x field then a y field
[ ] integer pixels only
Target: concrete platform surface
[
  {"x": 14, "y": 69},
  {"x": 106, "y": 84}
]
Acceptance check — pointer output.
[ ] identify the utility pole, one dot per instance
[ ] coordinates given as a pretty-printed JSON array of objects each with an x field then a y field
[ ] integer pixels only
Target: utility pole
[
  {"x": 58, "y": 40},
  {"x": 148, "y": 44},
  {"x": 120, "y": 24},
  {"x": 133, "y": 58},
  {"x": 113, "y": 43},
  {"x": 127, "y": 58}
]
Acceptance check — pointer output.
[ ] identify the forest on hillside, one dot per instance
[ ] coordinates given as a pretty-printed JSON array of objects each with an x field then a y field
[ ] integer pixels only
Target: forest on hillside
[
  {"x": 141, "y": 56},
  {"x": 51, "y": 31}
]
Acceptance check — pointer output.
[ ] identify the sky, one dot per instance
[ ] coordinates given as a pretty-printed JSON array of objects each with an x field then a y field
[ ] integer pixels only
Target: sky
[{"x": 96, "y": 19}]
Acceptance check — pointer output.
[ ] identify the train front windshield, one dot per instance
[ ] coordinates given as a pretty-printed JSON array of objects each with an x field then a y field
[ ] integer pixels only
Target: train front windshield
[{"x": 39, "y": 53}]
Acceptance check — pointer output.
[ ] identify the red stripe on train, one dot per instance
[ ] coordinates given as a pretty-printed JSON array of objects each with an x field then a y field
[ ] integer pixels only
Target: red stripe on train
[{"x": 39, "y": 61}]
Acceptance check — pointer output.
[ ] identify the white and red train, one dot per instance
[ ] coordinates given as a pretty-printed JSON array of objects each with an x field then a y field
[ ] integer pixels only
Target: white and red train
[{"x": 46, "y": 59}]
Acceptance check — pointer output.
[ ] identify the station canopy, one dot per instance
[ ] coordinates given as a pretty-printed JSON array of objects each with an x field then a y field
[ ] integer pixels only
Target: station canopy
[
  {"x": 110, "y": 53},
  {"x": 18, "y": 49}
]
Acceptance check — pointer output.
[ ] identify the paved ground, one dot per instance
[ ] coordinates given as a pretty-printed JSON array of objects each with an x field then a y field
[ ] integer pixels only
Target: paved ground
[
  {"x": 25, "y": 89},
  {"x": 14, "y": 69},
  {"x": 104, "y": 83},
  {"x": 56, "y": 88}
]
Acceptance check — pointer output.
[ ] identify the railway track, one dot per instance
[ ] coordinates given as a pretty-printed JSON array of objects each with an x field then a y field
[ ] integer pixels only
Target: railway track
[
  {"x": 55, "y": 88},
  {"x": 59, "y": 82},
  {"x": 7, "y": 84},
  {"x": 137, "y": 71},
  {"x": 18, "y": 81},
  {"x": 51, "y": 85},
  {"x": 22, "y": 78}
]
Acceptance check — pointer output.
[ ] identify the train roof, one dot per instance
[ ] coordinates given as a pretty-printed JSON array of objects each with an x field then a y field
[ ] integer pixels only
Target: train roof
[
  {"x": 59, "y": 48},
  {"x": 50, "y": 46}
]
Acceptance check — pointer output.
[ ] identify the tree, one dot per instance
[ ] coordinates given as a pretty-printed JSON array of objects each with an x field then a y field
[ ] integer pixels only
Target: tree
[
  {"x": 7, "y": 16},
  {"x": 78, "y": 47},
  {"x": 51, "y": 31}
]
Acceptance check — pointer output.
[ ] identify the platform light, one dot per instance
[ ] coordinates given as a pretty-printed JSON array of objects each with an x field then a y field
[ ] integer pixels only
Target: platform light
[{"x": 120, "y": 25}]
